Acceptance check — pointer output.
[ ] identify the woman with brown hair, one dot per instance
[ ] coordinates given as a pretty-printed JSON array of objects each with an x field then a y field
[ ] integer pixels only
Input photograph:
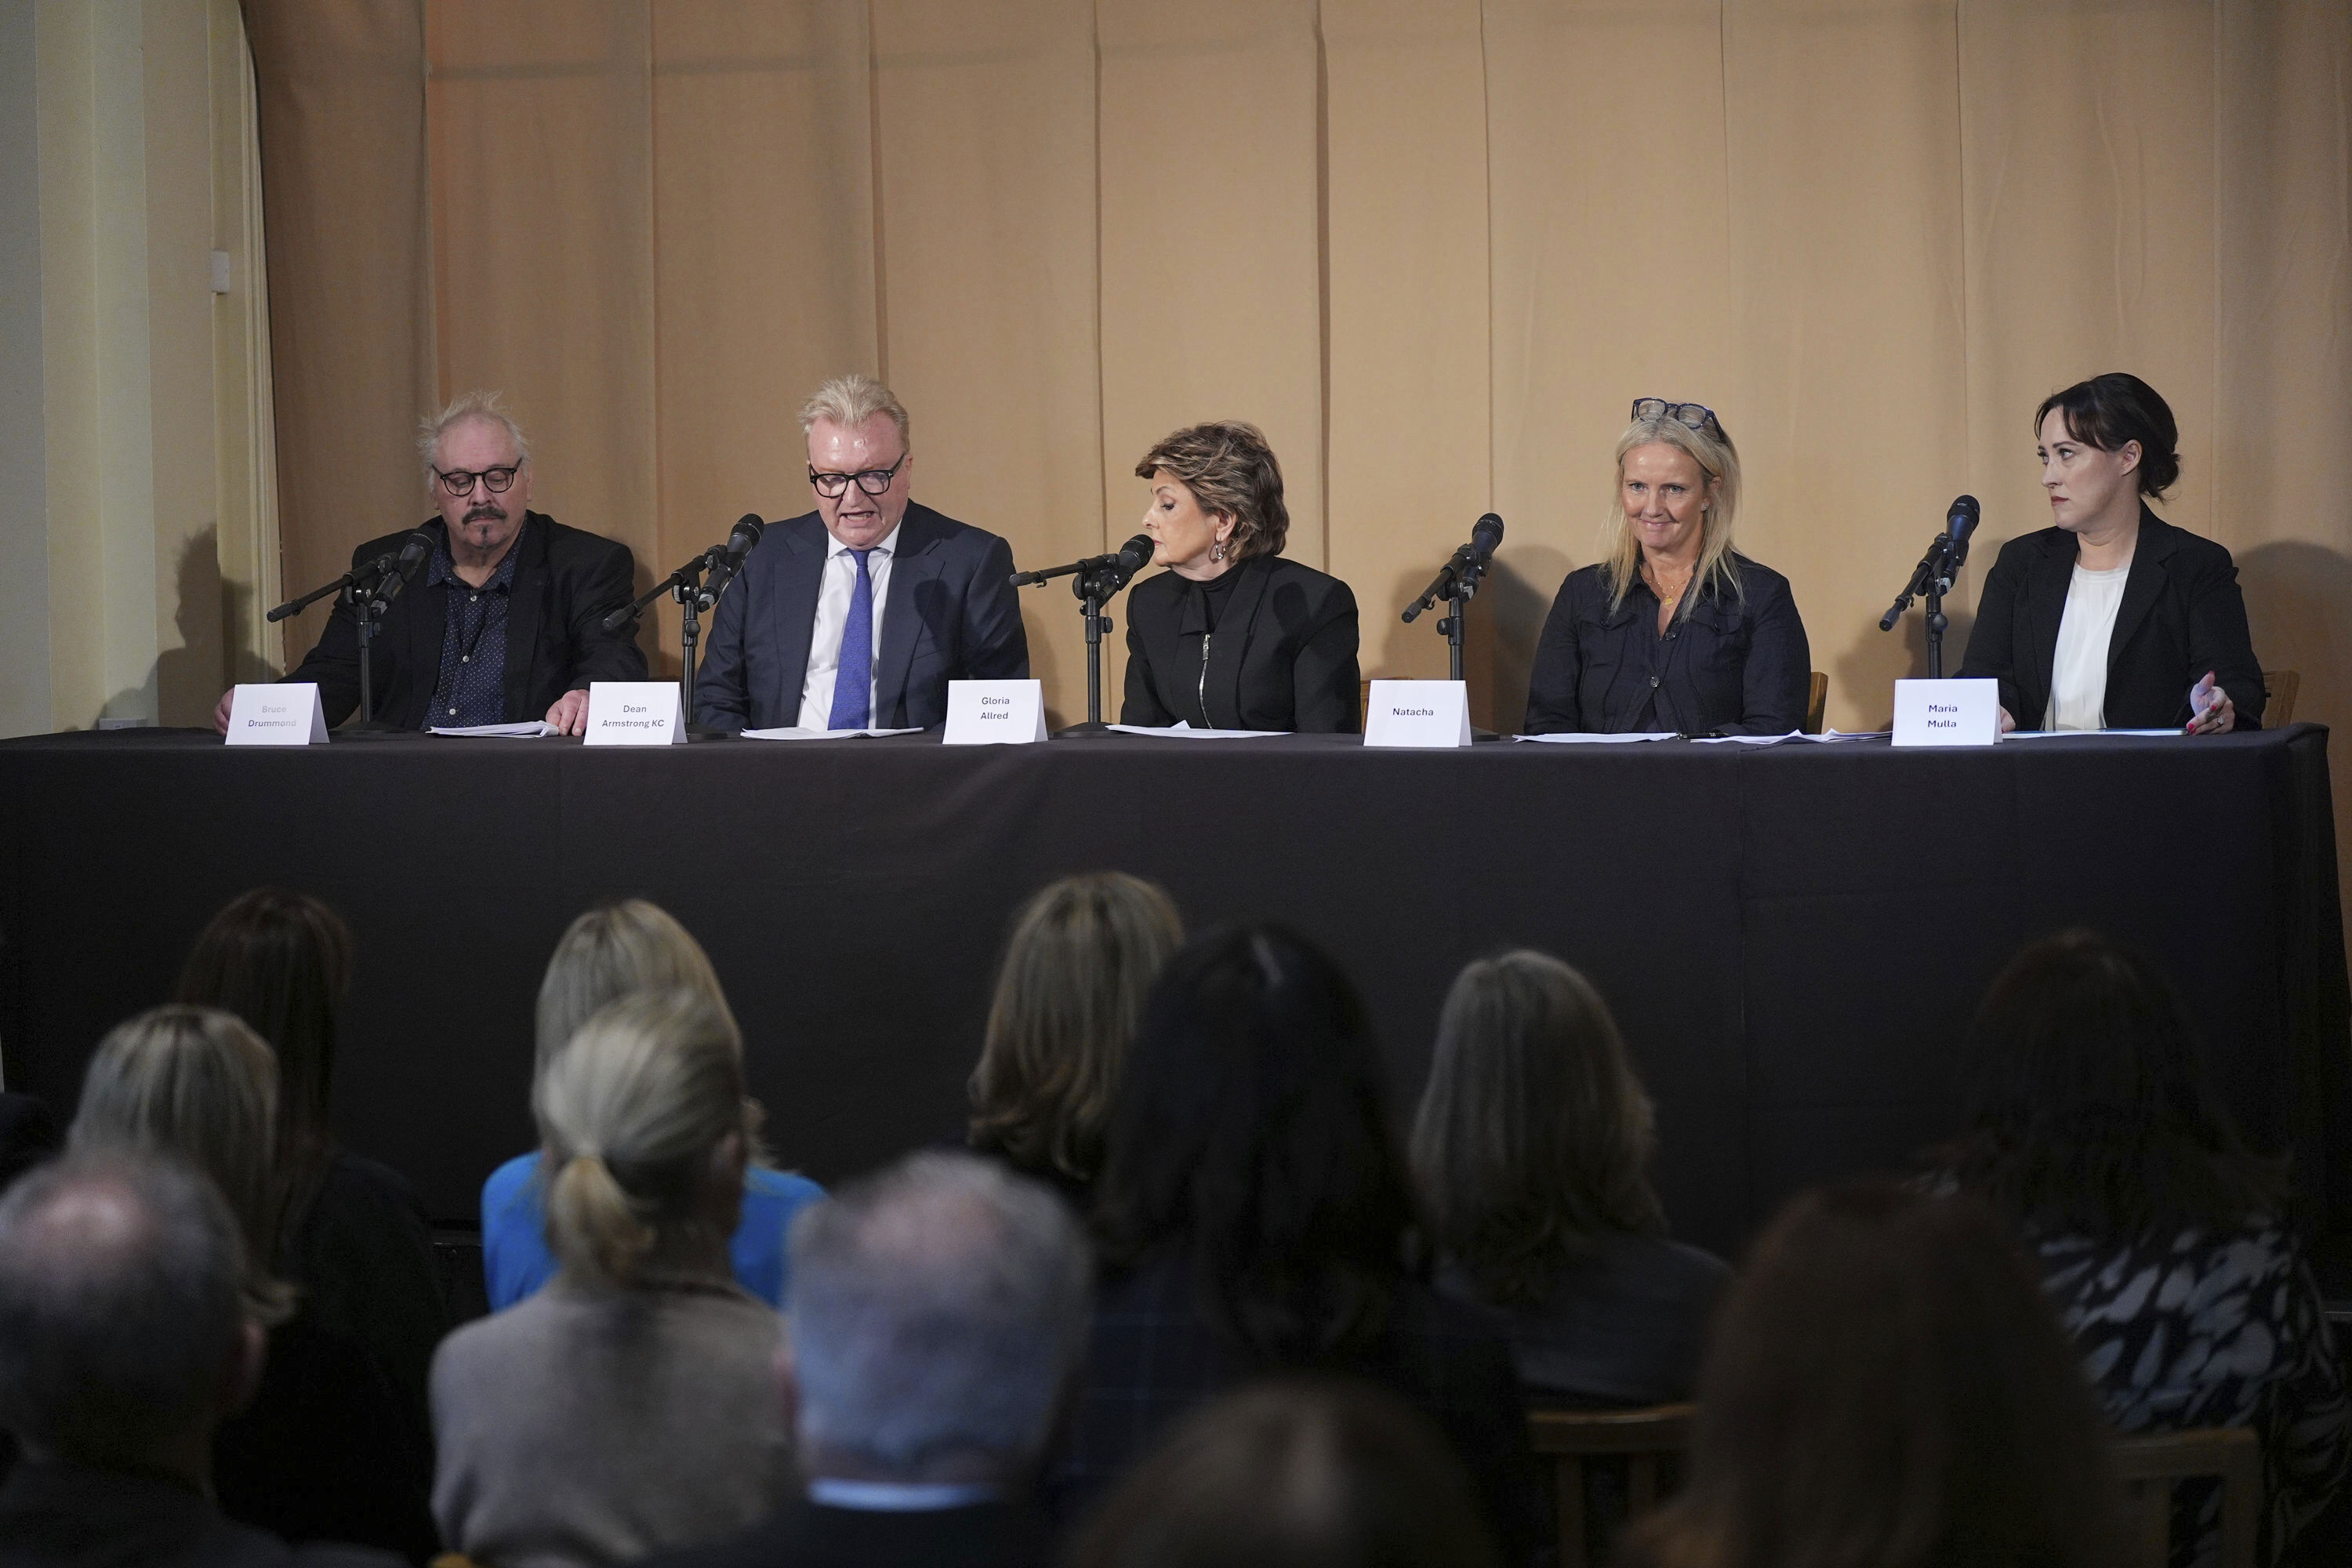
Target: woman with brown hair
[{"x": 1084, "y": 953}]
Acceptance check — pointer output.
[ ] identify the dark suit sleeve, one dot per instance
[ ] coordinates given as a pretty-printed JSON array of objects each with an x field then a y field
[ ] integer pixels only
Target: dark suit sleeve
[
  {"x": 721, "y": 698},
  {"x": 1142, "y": 704},
  {"x": 1559, "y": 667},
  {"x": 2219, "y": 639},
  {"x": 1992, "y": 641},
  {"x": 1778, "y": 676},
  {"x": 995, "y": 644},
  {"x": 595, "y": 653},
  {"x": 1328, "y": 688}
]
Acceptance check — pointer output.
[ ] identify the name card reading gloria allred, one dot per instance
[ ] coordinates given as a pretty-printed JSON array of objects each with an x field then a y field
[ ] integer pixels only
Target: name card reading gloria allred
[
  {"x": 995, "y": 713},
  {"x": 1418, "y": 713},
  {"x": 632, "y": 713},
  {"x": 276, "y": 716},
  {"x": 1946, "y": 712}
]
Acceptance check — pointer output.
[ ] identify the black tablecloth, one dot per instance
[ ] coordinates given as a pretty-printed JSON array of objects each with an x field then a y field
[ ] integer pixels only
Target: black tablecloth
[{"x": 1792, "y": 936}]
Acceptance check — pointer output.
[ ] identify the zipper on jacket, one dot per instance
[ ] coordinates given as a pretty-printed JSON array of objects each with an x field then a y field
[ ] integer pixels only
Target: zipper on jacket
[{"x": 1204, "y": 681}]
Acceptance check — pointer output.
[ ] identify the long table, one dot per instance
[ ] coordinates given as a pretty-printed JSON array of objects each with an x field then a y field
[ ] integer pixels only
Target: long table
[{"x": 1793, "y": 937}]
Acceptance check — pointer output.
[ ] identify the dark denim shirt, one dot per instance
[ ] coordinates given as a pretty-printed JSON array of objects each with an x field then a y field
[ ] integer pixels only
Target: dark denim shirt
[
  {"x": 1731, "y": 665},
  {"x": 472, "y": 688}
]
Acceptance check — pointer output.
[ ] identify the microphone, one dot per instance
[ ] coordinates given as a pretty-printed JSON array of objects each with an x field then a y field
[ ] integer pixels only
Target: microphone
[
  {"x": 1461, "y": 574},
  {"x": 1124, "y": 562},
  {"x": 746, "y": 534},
  {"x": 1487, "y": 535},
  {"x": 1947, "y": 553},
  {"x": 1961, "y": 521},
  {"x": 403, "y": 571}
]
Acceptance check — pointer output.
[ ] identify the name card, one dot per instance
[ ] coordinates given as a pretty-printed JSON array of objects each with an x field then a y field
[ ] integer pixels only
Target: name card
[
  {"x": 634, "y": 713},
  {"x": 995, "y": 713},
  {"x": 1418, "y": 713},
  {"x": 1946, "y": 712},
  {"x": 276, "y": 716}
]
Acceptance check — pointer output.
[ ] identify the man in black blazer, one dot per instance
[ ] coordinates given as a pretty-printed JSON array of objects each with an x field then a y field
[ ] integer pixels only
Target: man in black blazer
[
  {"x": 871, "y": 585},
  {"x": 504, "y": 623}
]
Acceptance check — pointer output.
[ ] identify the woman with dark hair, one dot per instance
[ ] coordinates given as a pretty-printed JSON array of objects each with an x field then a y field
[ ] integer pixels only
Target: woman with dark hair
[
  {"x": 1532, "y": 1149},
  {"x": 1885, "y": 1387},
  {"x": 1255, "y": 1215},
  {"x": 2113, "y": 618},
  {"x": 2162, "y": 1240},
  {"x": 1232, "y": 636}
]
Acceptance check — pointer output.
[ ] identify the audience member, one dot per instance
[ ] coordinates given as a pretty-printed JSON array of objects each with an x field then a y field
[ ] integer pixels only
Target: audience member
[
  {"x": 322, "y": 1452},
  {"x": 627, "y": 1408},
  {"x": 1256, "y": 1210},
  {"x": 350, "y": 1232},
  {"x": 1083, "y": 955},
  {"x": 1885, "y": 1388},
  {"x": 124, "y": 1338},
  {"x": 1293, "y": 1473},
  {"x": 2162, "y": 1240},
  {"x": 1532, "y": 1148},
  {"x": 610, "y": 951},
  {"x": 935, "y": 1314}
]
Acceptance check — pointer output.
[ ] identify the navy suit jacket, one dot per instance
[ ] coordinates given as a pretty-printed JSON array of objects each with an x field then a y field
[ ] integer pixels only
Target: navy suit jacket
[{"x": 949, "y": 613}]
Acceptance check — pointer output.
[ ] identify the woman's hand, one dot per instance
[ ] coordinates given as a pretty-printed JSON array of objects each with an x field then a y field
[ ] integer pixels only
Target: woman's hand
[
  {"x": 2210, "y": 710},
  {"x": 2007, "y": 723}
]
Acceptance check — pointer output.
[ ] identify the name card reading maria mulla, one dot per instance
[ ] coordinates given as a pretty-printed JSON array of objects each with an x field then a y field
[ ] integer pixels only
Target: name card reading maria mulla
[
  {"x": 1417, "y": 714},
  {"x": 1946, "y": 712},
  {"x": 632, "y": 713},
  {"x": 995, "y": 713}
]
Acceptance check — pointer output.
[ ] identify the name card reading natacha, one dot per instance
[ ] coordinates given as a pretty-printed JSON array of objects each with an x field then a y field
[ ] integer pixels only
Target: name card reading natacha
[
  {"x": 1946, "y": 712},
  {"x": 632, "y": 713},
  {"x": 276, "y": 716},
  {"x": 995, "y": 713},
  {"x": 1418, "y": 713}
]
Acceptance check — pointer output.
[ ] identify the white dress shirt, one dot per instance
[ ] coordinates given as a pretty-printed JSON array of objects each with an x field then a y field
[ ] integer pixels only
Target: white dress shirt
[
  {"x": 832, "y": 615},
  {"x": 2078, "y": 676}
]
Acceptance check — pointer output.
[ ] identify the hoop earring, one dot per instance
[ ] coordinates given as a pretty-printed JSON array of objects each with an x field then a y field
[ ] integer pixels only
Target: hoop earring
[{"x": 1216, "y": 553}]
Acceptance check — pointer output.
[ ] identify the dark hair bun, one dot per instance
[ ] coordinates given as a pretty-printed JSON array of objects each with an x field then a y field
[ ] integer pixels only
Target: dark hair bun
[{"x": 2108, "y": 410}]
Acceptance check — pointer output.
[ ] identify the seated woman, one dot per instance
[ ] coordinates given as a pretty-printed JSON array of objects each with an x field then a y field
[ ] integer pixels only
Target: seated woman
[
  {"x": 631, "y": 1406},
  {"x": 1084, "y": 954},
  {"x": 2162, "y": 1240},
  {"x": 1532, "y": 1148},
  {"x": 1675, "y": 631},
  {"x": 2113, "y": 618},
  {"x": 1254, "y": 1212},
  {"x": 609, "y": 952},
  {"x": 1231, "y": 636}
]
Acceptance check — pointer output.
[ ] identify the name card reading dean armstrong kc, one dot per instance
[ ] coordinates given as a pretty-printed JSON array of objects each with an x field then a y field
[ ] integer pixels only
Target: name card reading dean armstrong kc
[
  {"x": 1417, "y": 714},
  {"x": 1946, "y": 712},
  {"x": 634, "y": 713},
  {"x": 276, "y": 716},
  {"x": 995, "y": 713}
]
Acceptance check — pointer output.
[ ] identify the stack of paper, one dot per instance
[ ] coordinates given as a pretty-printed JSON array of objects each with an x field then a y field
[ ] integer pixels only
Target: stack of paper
[
  {"x": 532, "y": 730},
  {"x": 797, "y": 734},
  {"x": 1182, "y": 730},
  {"x": 1582, "y": 737}
]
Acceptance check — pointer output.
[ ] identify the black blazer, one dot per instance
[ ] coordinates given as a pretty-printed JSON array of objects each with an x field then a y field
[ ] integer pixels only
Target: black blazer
[
  {"x": 949, "y": 613},
  {"x": 803, "y": 1535},
  {"x": 1282, "y": 656},
  {"x": 565, "y": 583},
  {"x": 1735, "y": 664},
  {"x": 2182, "y": 615}
]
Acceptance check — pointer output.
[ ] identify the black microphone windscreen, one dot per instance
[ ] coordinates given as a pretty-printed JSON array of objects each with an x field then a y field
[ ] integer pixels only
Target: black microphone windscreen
[
  {"x": 1487, "y": 534},
  {"x": 1136, "y": 554},
  {"x": 1962, "y": 519},
  {"x": 414, "y": 550},
  {"x": 746, "y": 533}
]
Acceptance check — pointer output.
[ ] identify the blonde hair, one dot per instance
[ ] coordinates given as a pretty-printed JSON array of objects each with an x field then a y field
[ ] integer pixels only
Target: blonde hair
[
  {"x": 850, "y": 401},
  {"x": 1084, "y": 953},
  {"x": 634, "y": 1111},
  {"x": 611, "y": 951},
  {"x": 197, "y": 1083},
  {"x": 1719, "y": 461},
  {"x": 465, "y": 407}
]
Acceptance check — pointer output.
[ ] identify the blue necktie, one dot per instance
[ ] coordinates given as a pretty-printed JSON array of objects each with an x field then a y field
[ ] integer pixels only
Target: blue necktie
[{"x": 853, "y": 675}]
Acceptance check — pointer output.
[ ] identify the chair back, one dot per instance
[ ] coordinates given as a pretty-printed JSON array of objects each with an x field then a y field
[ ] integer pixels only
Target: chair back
[
  {"x": 2149, "y": 1464},
  {"x": 1817, "y": 699},
  {"x": 1574, "y": 1439},
  {"x": 2279, "y": 686}
]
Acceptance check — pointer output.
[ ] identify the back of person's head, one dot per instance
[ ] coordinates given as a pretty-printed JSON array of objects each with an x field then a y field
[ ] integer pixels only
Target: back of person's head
[
  {"x": 121, "y": 1309},
  {"x": 1533, "y": 1137},
  {"x": 1293, "y": 1473},
  {"x": 1084, "y": 953},
  {"x": 1251, "y": 1136},
  {"x": 644, "y": 1111},
  {"x": 935, "y": 1311},
  {"x": 611, "y": 951},
  {"x": 2088, "y": 1107},
  {"x": 1886, "y": 1387}
]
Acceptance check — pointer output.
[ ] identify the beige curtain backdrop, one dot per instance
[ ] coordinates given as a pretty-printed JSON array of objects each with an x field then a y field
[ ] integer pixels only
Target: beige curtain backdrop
[{"x": 1434, "y": 247}]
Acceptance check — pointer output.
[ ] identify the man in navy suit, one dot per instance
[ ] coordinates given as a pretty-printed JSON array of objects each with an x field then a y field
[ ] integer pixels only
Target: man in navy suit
[{"x": 857, "y": 615}]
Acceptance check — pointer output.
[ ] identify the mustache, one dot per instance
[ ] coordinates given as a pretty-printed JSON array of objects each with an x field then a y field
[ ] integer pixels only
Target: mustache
[{"x": 476, "y": 513}]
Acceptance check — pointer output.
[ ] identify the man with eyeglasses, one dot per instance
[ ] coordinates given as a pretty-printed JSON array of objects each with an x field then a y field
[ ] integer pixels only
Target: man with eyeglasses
[
  {"x": 857, "y": 615},
  {"x": 505, "y": 622}
]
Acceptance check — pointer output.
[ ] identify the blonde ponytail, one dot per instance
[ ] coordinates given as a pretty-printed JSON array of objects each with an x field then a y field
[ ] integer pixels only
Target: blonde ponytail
[{"x": 595, "y": 1227}]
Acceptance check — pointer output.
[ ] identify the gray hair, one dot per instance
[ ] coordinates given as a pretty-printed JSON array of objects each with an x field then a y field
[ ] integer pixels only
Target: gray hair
[
  {"x": 935, "y": 1311},
  {"x": 120, "y": 1305},
  {"x": 465, "y": 407},
  {"x": 850, "y": 401},
  {"x": 611, "y": 951}
]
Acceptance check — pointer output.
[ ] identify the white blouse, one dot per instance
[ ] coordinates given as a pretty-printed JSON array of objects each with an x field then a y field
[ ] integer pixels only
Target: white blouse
[{"x": 2078, "y": 680}]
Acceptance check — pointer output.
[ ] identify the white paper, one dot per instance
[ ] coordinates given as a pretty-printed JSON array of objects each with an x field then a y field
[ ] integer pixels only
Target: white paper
[
  {"x": 634, "y": 713},
  {"x": 2079, "y": 734},
  {"x": 1182, "y": 731},
  {"x": 529, "y": 731},
  {"x": 1581, "y": 738},
  {"x": 276, "y": 716},
  {"x": 1828, "y": 735},
  {"x": 795, "y": 734},
  {"x": 1418, "y": 713},
  {"x": 1946, "y": 712},
  {"x": 995, "y": 713},
  {"x": 1750, "y": 739}
]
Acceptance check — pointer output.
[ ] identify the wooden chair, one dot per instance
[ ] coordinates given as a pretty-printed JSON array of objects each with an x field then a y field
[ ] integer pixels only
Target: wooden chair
[
  {"x": 1817, "y": 697},
  {"x": 1572, "y": 1439},
  {"x": 2148, "y": 1466},
  {"x": 2280, "y": 687}
]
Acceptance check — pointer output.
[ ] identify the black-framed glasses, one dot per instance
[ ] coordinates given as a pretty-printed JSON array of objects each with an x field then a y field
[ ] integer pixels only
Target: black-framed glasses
[
  {"x": 873, "y": 481},
  {"x": 1697, "y": 415},
  {"x": 494, "y": 480}
]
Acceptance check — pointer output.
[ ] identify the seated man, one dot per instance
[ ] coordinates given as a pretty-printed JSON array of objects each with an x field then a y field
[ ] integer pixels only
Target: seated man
[
  {"x": 934, "y": 1315},
  {"x": 125, "y": 1337},
  {"x": 857, "y": 615},
  {"x": 505, "y": 621}
]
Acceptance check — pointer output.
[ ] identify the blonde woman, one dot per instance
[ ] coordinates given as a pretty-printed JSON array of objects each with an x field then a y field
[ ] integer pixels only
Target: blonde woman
[
  {"x": 630, "y": 1406},
  {"x": 1082, "y": 956},
  {"x": 1673, "y": 630},
  {"x": 610, "y": 951}
]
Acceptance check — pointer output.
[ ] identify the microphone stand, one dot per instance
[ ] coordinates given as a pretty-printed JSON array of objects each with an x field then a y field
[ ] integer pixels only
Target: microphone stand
[
  {"x": 684, "y": 585},
  {"x": 358, "y": 590},
  {"x": 1932, "y": 579},
  {"x": 1457, "y": 584},
  {"x": 1094, "y": 589}
]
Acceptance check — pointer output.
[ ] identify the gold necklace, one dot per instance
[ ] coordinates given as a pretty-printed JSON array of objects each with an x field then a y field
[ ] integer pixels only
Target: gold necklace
[{"x": 1658, "y": 586}]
